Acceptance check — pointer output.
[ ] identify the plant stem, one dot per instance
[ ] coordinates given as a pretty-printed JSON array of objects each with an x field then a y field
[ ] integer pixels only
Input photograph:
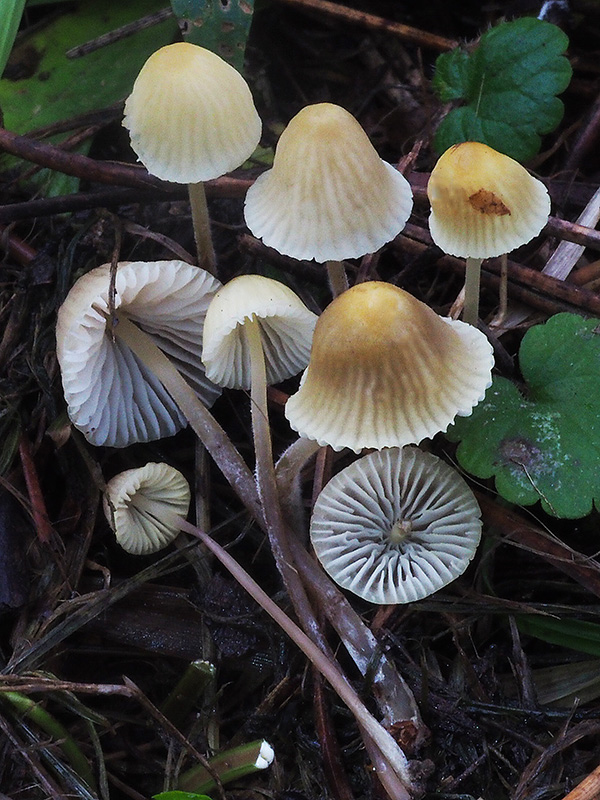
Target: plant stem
[
  {"x": 187, "y": 691},
  {"x": 338, "y": 280},
  {"x": 229, "y": 766},
  {"x": 328, "y": 668},
  {"x": 30, "y": 709},
  {"x": 201, "y": 223},
  {"x": 267, "y": 485},
  {"x": 472, "y": 278}
]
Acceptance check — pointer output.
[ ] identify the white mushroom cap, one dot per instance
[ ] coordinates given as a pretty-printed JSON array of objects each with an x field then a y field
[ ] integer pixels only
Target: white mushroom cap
[
  {"x": 328, "y": 196},
  {"x": 286, "y": 327},
  {"x": 385, "y": 370},
  {"x": 142, "y": 504},
  {"x": 483, "y": 203},
  {"x": 112, "y": 398},
  {"x": 190, "y": 115},
  {"x": 396, "y": 526}
]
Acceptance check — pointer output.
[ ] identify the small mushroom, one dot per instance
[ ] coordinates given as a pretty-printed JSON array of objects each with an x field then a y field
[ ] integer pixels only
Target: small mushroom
[
  {"x": 385, "y": 370},
  {"x": 112, "y": 396},
  {"x": 191, "y": 118},
  {"x": 395, "y": 526},
  {"x": 483, "y": 204},
  {"x": 143, "y": 505},
  {"x": 328, "y": 196}
]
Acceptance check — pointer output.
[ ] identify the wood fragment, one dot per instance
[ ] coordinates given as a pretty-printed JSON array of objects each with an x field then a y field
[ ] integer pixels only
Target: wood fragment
[{"x": 372, "y": 22}]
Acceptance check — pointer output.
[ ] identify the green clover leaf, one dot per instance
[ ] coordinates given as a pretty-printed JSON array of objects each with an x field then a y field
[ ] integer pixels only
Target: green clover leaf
[
  {"x": 509, "y": 84},
  {"x": 543, "y": 444}
]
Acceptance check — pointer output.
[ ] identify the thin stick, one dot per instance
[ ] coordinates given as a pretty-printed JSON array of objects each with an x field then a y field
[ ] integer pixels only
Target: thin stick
[{"x": 330, "y": 671}]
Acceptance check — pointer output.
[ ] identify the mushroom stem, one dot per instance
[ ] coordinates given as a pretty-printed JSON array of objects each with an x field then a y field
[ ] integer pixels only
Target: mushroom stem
[
  {"x": 338, "y": 280},
  {"x": 201, "y": 223},
  {"x": 208, "y": 430},
  {"x": 266, "y": 481},
  {"x": 393, "y": 754},
  {"x": 472, "y": 278}
]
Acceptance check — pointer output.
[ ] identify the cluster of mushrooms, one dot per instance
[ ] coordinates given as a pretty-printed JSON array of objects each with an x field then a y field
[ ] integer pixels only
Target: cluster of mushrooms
[{"x": 147, "y": 350}]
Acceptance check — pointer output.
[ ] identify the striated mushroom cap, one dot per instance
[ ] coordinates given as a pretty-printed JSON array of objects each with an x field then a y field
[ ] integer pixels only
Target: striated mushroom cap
[
  {"x": 190, "y": 115},
  {"x": 112, "y": 398},
  {"x": 286, "y": 328},
  {"x": 142, "y": 505},
  {"x": 328, "y": 196},
  {"x": 385, "y": 370},
  {"x": 395, "y": 526},
  {"x": 483, "y": 203}
]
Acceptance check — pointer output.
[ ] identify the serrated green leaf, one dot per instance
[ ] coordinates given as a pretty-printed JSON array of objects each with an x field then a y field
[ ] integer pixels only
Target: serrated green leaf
[
  {"x": 509, "y": 84},
  {"x": 451, "y": 75},
  {"x": 545, "y": 445},
  {"x": 575, "y": 634}
]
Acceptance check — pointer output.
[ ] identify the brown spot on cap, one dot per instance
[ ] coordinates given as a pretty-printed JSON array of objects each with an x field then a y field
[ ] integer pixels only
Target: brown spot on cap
[{"x": 488, "y": 203}]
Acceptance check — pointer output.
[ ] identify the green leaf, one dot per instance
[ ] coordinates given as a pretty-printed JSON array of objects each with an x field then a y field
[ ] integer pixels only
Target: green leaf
[
  {"x": 10, "y": 17},
  {"x": 572, "y": 633},
  {"x": 544, "y": 445},
  {"x": 219, "y": 25},
  {"x": 508, "y": 84},
  {"x": 58, "y": 88}
]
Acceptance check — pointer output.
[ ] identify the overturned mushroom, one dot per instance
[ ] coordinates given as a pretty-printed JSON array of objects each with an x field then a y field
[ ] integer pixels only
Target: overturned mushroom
[
  {"x": 112, "y": 396},
  {"x": 396, "y": 526}
]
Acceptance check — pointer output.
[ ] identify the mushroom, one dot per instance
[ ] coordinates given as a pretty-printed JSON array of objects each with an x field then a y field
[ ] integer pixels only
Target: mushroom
[
  {"x": 191, "y": 118},
  {"x": 143, "y": 506},
  {"x": 328, "y": 196},
  {"x": 483, "y": 204},
  {"x": 258, "y": 331},
  {"x": 385, "y": 370},
  {"x": 112, "y": 396},
  {"x": 121, "y": 365},
  {"x": 395, "y": 526}
]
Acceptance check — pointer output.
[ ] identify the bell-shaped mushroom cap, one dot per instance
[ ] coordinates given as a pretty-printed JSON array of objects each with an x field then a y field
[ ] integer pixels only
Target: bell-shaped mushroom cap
[
  {"x": 328, "y": 196},
  {"x": 112, "y": 398},
  {"x": 142, "y": 504},
  {"x": 385, "y": 370},
  {"x": 484, "y": 203},
  {"x": 190, "y": 115},
  {"x": 286, "y": 327},
  {"x": 395, "y": 526}
]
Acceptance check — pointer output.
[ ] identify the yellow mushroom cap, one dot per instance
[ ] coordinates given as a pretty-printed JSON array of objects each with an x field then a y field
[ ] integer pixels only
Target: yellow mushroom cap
[
  {"x": 385, "y": 370},
  {"x": 190, "y": 115},
  {"x": 328, "y": 196},
  {"x": 483, "y": 203},
  {"x": 142, "y": 505},
  {"x": 286, "y": 329},
  {"x": 396, "y": 526}
]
